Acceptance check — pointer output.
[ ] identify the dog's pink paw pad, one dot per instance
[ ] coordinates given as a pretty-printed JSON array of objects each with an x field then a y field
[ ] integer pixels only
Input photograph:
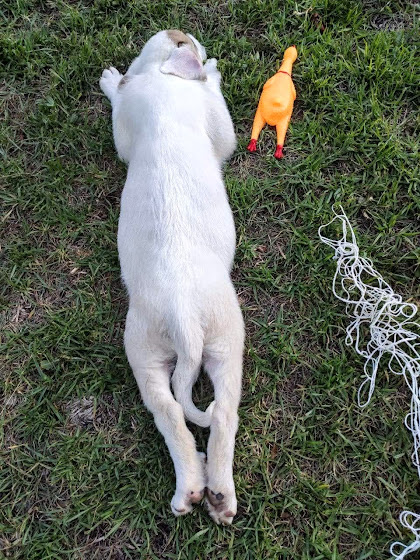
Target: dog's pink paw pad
[{"x": 196, "y": 497}]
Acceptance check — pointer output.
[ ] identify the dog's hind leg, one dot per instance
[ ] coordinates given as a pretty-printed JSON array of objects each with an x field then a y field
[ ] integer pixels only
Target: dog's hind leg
[
  {"x": 223, "y": 363},
  {"x": 149, "y": 359}
]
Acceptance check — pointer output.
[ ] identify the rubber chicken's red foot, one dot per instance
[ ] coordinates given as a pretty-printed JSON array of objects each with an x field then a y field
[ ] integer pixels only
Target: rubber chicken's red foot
[
  {"x": 252, "y": 146},
  {"x": 278, "y": 154}
]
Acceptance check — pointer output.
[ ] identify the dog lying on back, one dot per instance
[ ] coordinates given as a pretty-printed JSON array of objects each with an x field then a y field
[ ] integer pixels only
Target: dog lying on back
[{"x": 176, "y": 243}]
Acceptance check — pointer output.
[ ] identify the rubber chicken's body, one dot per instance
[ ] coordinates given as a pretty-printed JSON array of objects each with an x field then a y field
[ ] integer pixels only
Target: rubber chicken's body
[{"x": 276, "y": 103}]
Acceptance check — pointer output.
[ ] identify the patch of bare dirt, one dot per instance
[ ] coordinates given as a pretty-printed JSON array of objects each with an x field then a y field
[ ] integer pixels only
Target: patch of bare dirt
[
  {"x": 90, "y": 412},
  {"x": 391, "y": 22},
  {"x": 95, "y": 545},
  {"x": 81, "y": 412}
]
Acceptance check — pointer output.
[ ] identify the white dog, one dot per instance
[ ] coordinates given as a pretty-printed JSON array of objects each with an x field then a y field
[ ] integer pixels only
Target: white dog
[{"x": 176, "y": 243}]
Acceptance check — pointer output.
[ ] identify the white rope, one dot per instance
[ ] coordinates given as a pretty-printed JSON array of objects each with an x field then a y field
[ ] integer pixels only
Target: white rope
[
  {"x": 410, "y": 521},
  {"x": 382, "y": 323}
]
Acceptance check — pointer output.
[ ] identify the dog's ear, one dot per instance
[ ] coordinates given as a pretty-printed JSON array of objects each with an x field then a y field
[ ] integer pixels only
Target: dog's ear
[
  {"x": 184, "y": 63},
  {"x": 199, "y": 47}
]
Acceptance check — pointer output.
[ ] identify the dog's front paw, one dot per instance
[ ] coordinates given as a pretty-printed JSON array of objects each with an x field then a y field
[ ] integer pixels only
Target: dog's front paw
[
  {"x": 212, "y": 73},
  {"x": 109, "y": 81},
  {"x": 211, "y": 65},
  {"x": 221, "y": 505}
]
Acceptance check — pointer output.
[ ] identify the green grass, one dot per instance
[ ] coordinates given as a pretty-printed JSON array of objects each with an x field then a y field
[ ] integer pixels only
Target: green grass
[{"x": 317, "y": 478}]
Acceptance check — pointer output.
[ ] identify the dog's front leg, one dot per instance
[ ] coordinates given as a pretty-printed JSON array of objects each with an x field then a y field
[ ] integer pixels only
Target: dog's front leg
[
  {"x": 109, "y": 82},
  {"x": 213, "y": 75},
  {"x": 113, "y": 85},
  {"x": 219, "y": 123}
]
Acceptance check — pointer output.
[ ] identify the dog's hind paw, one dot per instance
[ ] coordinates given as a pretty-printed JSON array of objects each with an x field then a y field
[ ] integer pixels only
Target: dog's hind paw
[
  {"x": 184, "y": 498},
  {"x": 222, "y": 507},
  {"x": 182, "y": 503}
]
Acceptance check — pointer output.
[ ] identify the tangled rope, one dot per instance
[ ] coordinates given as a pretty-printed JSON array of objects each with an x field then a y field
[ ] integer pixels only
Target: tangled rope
[{"x": 382, "y": 323}]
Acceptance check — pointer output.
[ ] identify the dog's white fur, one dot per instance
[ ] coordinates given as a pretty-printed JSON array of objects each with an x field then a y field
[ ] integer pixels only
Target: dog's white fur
[{"x": 176, "y": 243}]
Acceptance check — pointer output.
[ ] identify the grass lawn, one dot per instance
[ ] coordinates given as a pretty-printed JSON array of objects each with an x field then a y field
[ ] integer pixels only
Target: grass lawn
[{"x": 84, "y": 474}]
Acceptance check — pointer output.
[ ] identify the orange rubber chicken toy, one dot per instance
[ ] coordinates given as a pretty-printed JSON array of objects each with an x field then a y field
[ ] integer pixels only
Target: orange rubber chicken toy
[{"x": 276, "y": 103}]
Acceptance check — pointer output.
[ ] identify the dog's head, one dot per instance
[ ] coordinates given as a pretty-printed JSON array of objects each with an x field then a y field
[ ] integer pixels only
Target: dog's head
[{"x": 176, "y": 53}]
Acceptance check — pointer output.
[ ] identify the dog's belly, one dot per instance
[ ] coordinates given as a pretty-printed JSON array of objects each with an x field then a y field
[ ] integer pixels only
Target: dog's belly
[{"x": 167, "y": 249}]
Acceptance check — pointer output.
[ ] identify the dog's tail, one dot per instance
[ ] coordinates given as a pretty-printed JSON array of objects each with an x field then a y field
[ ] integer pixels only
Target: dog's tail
[
  {"x": 185, "y": 374},
  {"x": 183, "y": 379}
]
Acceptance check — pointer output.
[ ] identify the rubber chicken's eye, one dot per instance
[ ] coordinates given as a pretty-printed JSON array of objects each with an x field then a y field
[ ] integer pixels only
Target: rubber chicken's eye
[{"x": 181, "y": 43}]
